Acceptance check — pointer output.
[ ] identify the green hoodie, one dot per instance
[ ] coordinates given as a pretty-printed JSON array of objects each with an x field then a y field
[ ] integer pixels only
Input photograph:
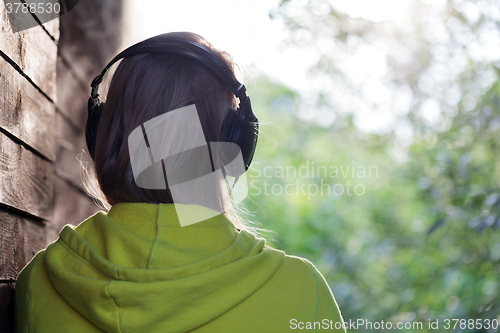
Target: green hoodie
[{"x": 135, "y": 269}]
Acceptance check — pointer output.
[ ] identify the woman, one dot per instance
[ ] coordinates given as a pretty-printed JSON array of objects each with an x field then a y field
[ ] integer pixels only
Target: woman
[{"x": 168, "y": 256}]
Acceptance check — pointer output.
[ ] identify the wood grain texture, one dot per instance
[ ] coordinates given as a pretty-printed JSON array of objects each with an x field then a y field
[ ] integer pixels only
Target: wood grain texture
[
  {"x": 43, "y": 181},
  {"x": 50, "y": 21},
  {"x": 32, "y": 50},
  {"x": 36, "y": 13},
  {"x": 20, "y": 239},
  {"x": 53, "y": 27},
  {"x": 26, "y": 179},
  {"x": 7, "y": 307},
  {"x": 71, "y": 206},
  {"x": 26, "y": 113}
]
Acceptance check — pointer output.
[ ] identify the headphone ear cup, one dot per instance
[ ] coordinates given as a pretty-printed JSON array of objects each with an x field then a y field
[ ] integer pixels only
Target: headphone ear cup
[
  {"x": 94, "y": 115},
  {"x": 241, "y": 132}
]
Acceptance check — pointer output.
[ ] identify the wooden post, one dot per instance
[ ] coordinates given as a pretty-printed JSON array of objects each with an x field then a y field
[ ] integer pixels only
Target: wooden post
[{"x": 45, "y": 73}]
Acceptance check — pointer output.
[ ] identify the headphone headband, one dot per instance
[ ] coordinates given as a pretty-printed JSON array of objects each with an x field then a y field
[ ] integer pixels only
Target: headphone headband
[
  {"x": 239, "y": 127},
  {"x": 199, "y": 53}
]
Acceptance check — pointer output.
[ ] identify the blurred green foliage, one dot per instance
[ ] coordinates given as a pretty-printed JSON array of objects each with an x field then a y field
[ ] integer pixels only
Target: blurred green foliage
[{"x": 422, "y": 242}]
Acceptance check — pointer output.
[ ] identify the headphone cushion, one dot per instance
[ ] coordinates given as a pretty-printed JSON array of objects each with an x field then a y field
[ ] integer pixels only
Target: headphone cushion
[
  {"x": 94, "y": 115},
  {"x": 242, "y": 133}
]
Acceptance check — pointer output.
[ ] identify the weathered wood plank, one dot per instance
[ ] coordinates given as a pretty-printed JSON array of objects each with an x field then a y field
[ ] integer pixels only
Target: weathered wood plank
[
  {"x": 49, "y": 19},
  {"x": 26, "y": 179},
  {"x": 53, "y": 28},
  {"x": 20, "y": 239},
  {"x": 70, "y": 144},
  {"x": 32, "y": 50},
  {"x": 70, "y": 207},
  {"x": 71, "y": 96},
  {"x": 26, "y": 14},
  {"x": 7, "y": 307},
  {"x": 26, "y": 113}
]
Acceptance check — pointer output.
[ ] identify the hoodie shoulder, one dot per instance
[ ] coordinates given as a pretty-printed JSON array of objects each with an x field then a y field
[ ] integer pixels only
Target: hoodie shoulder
[
  {"x": 314, "y": 287},
  {"x": 39, "y": 307},
  {"x": 21, "y": 295},
  {"x": 297, "y": 292},
  {"x": 308, "y": 296},
  {"x": 327, "y": 309}
]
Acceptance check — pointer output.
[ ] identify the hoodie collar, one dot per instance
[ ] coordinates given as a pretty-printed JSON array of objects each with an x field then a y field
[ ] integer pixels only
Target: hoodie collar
[
  {"x": 147, "y": 219},
  {"x": 136, "y": 269},
  {"x": 164, "y": 242}
]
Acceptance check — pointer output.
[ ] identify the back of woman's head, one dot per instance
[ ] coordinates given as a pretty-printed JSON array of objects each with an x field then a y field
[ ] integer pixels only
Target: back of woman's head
[{"x": 146, "y": 86}]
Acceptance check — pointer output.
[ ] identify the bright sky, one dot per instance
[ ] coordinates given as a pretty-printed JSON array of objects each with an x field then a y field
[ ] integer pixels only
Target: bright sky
[
  {"x": 244, "y": 29},
  {"x": 374, "y": 10},
  {"x": 241, "y": 28}
]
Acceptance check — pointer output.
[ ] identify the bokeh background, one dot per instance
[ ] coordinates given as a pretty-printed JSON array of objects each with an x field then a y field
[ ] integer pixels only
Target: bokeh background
[
  {"x": 378, "y": 155},
  {"x": 407, "y": 87}
]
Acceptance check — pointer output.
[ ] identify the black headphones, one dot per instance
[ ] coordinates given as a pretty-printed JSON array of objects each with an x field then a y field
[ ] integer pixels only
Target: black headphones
[{"x": 240, "y": 126}]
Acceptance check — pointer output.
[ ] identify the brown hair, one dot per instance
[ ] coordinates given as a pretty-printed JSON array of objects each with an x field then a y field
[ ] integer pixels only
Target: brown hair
[{"x": 146, "y": 86}]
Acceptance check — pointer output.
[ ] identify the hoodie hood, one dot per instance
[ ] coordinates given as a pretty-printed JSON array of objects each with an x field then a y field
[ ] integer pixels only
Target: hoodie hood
[{"x": 135, "y": 269}]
